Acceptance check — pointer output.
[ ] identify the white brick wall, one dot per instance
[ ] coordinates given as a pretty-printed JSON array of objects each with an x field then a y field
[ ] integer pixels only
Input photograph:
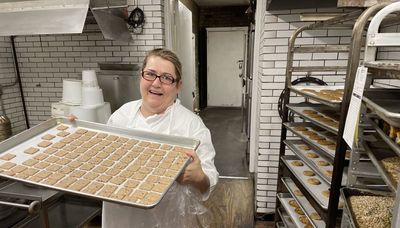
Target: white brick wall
[
  {"x": 11, "y": 97},
  {"x": 278, "y": 27},
  {"x": 48, "y": 59}
]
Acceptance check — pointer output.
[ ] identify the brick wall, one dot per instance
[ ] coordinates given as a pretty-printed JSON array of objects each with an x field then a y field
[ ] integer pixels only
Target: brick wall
[
  {"x": 278, "y": 27},
  {"x": 11, "y": 97},
  {"x": 46, "y": 60}
]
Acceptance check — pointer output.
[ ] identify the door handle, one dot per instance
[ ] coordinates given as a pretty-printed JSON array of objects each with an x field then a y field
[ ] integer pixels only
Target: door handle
[{"x": 240, "y": 66}]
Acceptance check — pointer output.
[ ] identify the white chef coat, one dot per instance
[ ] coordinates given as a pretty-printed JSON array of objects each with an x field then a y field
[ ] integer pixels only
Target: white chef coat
[{"x": 176, "y": 120}]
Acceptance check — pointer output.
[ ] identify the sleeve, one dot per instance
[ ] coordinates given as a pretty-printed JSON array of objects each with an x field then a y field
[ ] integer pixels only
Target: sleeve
[{"x": 206, "y": 153}]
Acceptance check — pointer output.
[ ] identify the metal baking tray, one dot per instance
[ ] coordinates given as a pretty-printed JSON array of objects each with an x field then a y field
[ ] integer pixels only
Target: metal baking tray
[
  {"x": 311, "y": 162},
  {"x": 334, "y": 104},
  {"x": 376, "y": 156},
  {"x": 393, "y": 145},
  {"x": 384, "y": 102},
  {"x": 346, "y": 192},
  {"x": 284, "y": 198},
  {"x": 299, "y": 108},
  {"x": 286, "y": 220},
  {"x": 314, "y": 190},
  {"x": 303, "y": 203},
  {"x": 18, "y": 143},
  {"x": 322, "y": 149}
]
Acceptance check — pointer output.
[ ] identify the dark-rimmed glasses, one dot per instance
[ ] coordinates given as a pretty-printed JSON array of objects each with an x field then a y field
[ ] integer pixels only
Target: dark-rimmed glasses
[{"x": 164, "y": 78}]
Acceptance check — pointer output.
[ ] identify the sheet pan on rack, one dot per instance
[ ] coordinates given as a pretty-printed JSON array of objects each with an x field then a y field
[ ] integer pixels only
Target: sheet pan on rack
[
  {"x": 133, "y": 174},
  {"x": 285, "y": 198},
  {"x": 307, "y": 91},
  {"x": 384, "y": 102},
  {"x": 322, "y": 119}
]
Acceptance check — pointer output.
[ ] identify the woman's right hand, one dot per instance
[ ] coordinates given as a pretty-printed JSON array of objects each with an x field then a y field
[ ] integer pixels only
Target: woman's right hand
[{"x": 72, "y": 117}]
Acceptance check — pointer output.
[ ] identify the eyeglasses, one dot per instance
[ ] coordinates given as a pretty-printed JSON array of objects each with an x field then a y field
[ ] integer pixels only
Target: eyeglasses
[{"x": 164, "y": 78}]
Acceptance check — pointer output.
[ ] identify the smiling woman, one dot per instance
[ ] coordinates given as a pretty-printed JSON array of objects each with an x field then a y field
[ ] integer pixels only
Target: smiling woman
[{"x": 160, "y": 111}]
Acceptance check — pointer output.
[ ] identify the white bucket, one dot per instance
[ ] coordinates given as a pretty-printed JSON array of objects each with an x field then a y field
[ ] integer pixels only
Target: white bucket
[
  {"x": 72, "y": 92},
  {"x": 92, "y": 97},
  {"x": 85, "y": 113},
  {"x": 89, "y": 79}
]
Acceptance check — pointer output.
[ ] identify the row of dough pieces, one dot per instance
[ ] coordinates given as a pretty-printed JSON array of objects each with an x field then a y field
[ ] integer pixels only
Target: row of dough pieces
[
  {"x": 328, "y": 94},
  {"x": 321, "y": 118},
  {"x": 302, "y": 217}
]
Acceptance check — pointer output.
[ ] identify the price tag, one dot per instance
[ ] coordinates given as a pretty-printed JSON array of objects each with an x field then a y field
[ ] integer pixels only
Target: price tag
[{"x": 353, "y": 113}]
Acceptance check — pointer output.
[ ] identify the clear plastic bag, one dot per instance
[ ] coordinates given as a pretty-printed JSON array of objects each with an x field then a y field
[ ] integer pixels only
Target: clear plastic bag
[{"x": 181, "y": 207}]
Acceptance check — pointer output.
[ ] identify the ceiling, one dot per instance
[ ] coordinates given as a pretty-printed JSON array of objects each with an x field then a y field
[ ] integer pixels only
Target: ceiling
[{"x": 213, "y": 3}]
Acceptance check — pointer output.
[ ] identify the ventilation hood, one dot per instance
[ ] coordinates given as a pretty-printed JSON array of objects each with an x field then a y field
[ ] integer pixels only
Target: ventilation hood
[{"x": 34, "y": 17}]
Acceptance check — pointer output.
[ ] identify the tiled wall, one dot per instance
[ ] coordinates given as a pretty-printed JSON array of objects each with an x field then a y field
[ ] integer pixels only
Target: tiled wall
[
  {"x": 46, "y": 60},
  {"x": 278, "y": 27}
]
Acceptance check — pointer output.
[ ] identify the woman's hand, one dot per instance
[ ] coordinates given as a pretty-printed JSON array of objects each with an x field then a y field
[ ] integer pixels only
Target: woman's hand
[
  {"x": 72, "y": 117},
  {"x": 194, "y": 175}
]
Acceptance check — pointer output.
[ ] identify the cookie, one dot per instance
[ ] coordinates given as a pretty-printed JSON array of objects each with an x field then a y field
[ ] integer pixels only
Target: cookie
[
  {"x": 31, "y": 150},
  {"x": 328, "y": 173},
  {"x": 293, "y": 203},
  {"x": 160, "y": 188},
  {"x": 325, "y": 142},
  {"x": 304, "y": 147},
  {"x": 299, "y": 211},
  {"x": 294, "y": 163},
  {"x": 326, "y": 193},
  {"x": 63, "y": 134},
  {"x": 332, "y": 147},
  {"x": 62, "y": 127},
  {"x": 7, "y": 157},
  {"x": 313, "y": 181},
  {"x": 312, "y": 155},
  {"x": 323, "y": 163},
  {"x": 316, "y": 137},
  {"x": 303, "y": 219},
  {"x": 308, "y": 133},
  {"x": 300, "y": 129},
  {"x": 48, "y": 137},
  {"x": 308, "y": 173},
  {"x": 81, "y": 131},
  {"x": 309, "y": 111},
  {"x": 315, "y": 216},
  {"x": 166, "y": 147},
  {"x": 131, "y": 183},
  {"x": 297, "y": 192}
]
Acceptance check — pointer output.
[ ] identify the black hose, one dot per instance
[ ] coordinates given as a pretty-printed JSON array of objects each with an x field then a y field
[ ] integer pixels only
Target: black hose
[{"x": 19, "y": 81}]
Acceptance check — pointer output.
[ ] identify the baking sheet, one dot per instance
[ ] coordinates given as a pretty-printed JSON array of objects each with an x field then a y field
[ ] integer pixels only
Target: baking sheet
[
  {"x": 322, "y": 111},
  {"x": 286, "y": 220},
  {"x": 331, "y": 103},
  {"x": 303, "y": 202},
  {"x": 329, "y": 152},
  {"x": 314, "y": 190},
  {"x": 346, "y": 192},
  {"x": 377, "y": 155},
  {"x": 129, "y": 161},
  {"x": 284, "y": 198},
  {"x": 295, "y": 146},
  {"x": 388, "y": 141},
  {"x": 383, "y": 103}
]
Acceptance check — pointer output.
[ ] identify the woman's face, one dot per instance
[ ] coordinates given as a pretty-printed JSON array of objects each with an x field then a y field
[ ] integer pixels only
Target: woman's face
[{"x": 156, "y": 96}]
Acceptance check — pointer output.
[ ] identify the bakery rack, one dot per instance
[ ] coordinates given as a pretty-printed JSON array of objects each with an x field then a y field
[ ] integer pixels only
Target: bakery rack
[
  {"x": 289, "y": 181},
  {"x": 379, "y": 104}
]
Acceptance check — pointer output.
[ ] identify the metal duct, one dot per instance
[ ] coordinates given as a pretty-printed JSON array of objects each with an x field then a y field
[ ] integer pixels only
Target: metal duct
[{"x": 33, "y": 17}]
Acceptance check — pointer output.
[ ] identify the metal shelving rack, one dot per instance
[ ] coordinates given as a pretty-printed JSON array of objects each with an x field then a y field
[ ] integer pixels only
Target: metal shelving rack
[
  {"x": 377, "y": 105},
  {"x": 331, "y": 213}
]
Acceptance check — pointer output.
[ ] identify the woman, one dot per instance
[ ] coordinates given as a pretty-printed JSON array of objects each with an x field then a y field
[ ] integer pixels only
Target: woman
[{"x": 160, "y": 111}]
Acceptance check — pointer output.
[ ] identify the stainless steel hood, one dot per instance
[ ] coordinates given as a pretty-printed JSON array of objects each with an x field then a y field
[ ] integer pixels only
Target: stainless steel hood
[{"x": 32, "y": 17}]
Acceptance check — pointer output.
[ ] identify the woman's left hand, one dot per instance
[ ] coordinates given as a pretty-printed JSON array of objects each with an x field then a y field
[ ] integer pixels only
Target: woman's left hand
[{"x": 193, "y": 174}]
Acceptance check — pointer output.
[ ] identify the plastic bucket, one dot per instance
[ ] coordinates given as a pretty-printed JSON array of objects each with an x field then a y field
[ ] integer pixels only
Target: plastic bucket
[
  {"x": 72, "y": 92},
  {"x": 89, "y": 78},
  {"x": 92, "y": 97}
]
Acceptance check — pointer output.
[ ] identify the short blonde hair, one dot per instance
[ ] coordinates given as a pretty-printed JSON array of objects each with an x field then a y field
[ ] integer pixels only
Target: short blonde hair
[{"x": 167, "y": 55}]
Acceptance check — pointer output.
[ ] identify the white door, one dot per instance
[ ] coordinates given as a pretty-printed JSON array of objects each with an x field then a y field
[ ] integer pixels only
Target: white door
[
  {"x": 184, "y": 50},
  {"x": 225, "y": 66}
]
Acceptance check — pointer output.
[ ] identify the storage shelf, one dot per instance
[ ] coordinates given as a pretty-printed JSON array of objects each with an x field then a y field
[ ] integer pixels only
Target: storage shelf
[
  {"x": 298, "y": 90},
  {"x": 383, "y": 65},
  {"x": 285, "y": 219}
]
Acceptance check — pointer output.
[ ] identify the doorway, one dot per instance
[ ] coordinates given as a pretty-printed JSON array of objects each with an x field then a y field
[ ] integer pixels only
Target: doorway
[{"x": 225, "y": 66}]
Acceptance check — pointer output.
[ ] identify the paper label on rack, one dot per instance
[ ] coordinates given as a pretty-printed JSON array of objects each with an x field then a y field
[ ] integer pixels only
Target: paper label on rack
[{"x": 353, "y": 113}]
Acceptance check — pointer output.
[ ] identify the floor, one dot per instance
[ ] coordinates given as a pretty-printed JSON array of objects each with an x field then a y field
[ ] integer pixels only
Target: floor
[{"x": 230, "y": 143}]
